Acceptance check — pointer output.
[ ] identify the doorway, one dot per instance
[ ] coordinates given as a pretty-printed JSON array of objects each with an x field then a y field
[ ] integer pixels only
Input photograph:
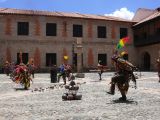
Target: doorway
[
  {"x": 146, "y": 61},
  {"x": 51, "y": 59},
  {"x": 103, "y": 59},
  {"x": 24, "y": 58}
]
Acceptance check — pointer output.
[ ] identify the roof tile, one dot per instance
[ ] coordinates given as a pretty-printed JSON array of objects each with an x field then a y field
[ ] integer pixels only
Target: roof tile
[{"x": 59, "y": 14}]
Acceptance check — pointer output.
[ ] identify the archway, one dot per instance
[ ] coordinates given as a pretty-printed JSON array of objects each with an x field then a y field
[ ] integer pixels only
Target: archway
[{"x": 146, "y": 61}]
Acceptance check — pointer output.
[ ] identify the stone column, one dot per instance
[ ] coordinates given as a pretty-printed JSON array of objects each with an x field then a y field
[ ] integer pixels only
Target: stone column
[
  {"x": 20, "y": 57},
  {"x": 73, "y": 56},
  {"x": 79, "y": 58}
]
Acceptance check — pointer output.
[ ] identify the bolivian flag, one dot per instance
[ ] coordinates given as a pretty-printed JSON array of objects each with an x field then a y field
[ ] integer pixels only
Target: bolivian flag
[{"x": 122, "y": 42}]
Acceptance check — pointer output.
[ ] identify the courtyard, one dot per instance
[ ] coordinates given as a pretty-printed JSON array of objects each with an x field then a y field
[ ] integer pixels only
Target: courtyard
[{"x": 43, "y": 101}]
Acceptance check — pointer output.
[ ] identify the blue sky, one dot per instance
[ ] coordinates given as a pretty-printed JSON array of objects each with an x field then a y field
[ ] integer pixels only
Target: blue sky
[{"x": 120, "y": 8}]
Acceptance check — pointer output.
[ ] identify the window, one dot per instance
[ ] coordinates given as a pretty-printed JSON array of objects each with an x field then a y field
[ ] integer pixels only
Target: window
[
  {"x": 51, "y": 59},
  {"x": 51, "y": 29},
  {"x": 102, "y": 58},
  {"x": 77, "y": 31},
  {"x": 23, "y": 28},
  {"x": 123, "y": 32},
  {"x": 101, "y": 31},
  {"x": 24, "y": 58}
]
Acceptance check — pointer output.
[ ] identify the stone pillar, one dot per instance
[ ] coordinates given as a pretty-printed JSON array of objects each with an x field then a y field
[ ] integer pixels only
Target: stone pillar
[
  {"x": 20, "y": 57},
  {"x": 79, "y": 58},
  {"x": 73, "y": 56}
]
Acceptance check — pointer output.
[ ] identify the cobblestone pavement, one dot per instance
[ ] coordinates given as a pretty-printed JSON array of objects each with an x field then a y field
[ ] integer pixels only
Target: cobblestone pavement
[{"x": 46, "y": 104}]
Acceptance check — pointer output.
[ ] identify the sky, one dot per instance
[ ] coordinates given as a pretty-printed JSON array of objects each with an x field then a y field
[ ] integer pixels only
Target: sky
[{"x": 119, "y": 8}]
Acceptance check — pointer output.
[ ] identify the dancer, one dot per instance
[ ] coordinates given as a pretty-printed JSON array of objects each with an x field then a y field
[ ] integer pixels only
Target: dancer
[{"x": 122, "y": 76}]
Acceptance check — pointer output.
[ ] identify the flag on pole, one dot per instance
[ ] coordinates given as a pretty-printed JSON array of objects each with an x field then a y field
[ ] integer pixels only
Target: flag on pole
[{"x": 122, "y": 42}]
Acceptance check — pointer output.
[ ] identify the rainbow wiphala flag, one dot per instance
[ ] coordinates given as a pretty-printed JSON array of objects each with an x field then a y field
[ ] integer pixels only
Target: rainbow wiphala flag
[{"x": 122, "y": 42}]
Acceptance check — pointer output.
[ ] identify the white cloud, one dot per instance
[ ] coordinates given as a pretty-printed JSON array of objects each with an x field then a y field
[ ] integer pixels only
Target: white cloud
[
  {"x": 3, "y": 0},
  {"x": 122, "y": 13}
]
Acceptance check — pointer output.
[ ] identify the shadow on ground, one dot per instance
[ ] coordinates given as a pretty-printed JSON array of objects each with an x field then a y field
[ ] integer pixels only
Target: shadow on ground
[
  {"x": 20, "y": 89},
  {"x": 98, "y": 80},
  {"x": 129, "y": 101}
]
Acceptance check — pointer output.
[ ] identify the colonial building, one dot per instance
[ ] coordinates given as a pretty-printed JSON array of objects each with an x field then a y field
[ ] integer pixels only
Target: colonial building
[
  {"x": 147, "y": 37},
  {"x": 47, "y": 37}
]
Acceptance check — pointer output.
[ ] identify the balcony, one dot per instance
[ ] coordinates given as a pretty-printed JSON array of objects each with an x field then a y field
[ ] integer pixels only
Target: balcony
[{"x": 143, "y": 41}]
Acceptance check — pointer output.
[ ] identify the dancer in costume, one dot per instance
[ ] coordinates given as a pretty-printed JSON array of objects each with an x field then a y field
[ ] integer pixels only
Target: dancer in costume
[
  {"x": 62, "y": 73},
  {"x": 31, "y": 67},
  {"x": 123, "y": 75},
  {"x": 21, "y": 75},
  {"x": 68, "y": 69}
]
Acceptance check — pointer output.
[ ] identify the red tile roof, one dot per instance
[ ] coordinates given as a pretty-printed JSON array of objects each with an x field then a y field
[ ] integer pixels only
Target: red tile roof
[
  {"x": 142, "y": 13},
  {"x": 59, "y": 14},
  {"x": 155, "y": 14}
]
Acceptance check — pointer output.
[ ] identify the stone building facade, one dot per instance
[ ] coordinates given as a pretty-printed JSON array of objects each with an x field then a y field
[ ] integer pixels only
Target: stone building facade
[
  {"x": 49, "y": 36},
  {"x": 147, "y": 37}
]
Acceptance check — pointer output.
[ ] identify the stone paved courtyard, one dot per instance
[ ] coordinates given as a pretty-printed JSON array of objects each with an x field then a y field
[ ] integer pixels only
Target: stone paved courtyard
[{"x": 18, "y": 104}]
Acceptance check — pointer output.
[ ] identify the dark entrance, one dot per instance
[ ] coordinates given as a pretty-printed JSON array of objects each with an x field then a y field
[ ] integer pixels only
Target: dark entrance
[
  {"x": 102, "y": 58},
  {"x": 51, "y": 59},
  {"x": 146, "y": 61},
  {"x": 24, "y": 58}
]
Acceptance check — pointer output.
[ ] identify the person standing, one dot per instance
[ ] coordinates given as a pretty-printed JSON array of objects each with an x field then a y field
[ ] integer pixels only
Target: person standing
[
  {"x": 53, "y": 74},
  {"x": 158, "y": 67},
  {"x": 100, "y": 69},
  {"x": 62, "y": 73},
  {"x": 68, "y": 71},
  {"x": 7, "y": 68}
]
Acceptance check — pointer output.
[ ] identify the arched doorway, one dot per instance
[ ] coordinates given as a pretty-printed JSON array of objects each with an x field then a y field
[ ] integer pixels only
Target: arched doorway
[{"x": 146, "y": 61}]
